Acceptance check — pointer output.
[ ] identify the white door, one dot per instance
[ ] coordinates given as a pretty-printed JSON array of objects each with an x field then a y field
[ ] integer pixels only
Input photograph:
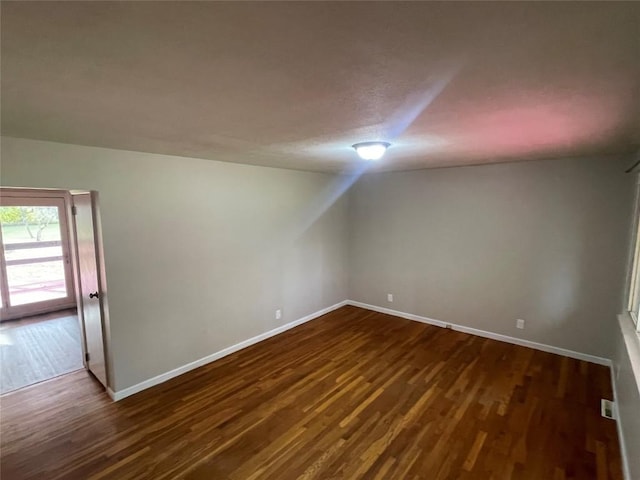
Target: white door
[
  {"x": 35, "y": 265},
  {"x": 90, "y": 291}
]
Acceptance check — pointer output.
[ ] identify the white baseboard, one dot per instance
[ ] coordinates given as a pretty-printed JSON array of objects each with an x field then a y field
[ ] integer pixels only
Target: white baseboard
[
  {"x": 623, "y": 448},
  {"x": 120, "y": 394},
  {"x": 482, "y": 333}
]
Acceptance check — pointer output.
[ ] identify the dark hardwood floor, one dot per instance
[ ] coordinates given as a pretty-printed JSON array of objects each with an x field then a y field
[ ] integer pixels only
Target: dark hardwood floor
[{"x": 354, "y": 394}]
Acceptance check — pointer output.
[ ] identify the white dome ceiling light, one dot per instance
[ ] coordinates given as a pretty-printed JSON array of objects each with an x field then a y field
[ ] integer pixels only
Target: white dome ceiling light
[{"x": 371, "y": 150}]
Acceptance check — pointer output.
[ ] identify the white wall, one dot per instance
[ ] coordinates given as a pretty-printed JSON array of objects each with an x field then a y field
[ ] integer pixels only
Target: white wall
[
  {"x": 544, "y": 241},
  {"x": 199, "y": 254}
]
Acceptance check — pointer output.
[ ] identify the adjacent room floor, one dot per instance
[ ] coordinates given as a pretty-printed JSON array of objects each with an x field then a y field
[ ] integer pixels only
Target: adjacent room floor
[
  {"x": 353, "y": 394},
  {"x": 38, "y": 348}
]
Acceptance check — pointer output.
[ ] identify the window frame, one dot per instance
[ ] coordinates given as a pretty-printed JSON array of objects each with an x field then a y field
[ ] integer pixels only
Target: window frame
[{"x": 633, "y": 305}]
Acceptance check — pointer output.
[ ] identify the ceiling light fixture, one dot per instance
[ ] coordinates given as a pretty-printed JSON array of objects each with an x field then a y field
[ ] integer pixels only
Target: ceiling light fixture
[{"x": 371, "y": 150}]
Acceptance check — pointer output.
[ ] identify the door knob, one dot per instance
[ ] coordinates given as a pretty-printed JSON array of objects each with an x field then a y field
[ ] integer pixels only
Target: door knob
[{"x": 93, "y": 295}]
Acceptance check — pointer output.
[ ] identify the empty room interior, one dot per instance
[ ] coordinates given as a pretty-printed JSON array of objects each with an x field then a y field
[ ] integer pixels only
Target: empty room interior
[{"x": 320, "y": 240}]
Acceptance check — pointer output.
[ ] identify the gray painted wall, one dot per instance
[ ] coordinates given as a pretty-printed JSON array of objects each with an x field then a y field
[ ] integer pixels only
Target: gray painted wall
[
  {"x": 544, "y": 241},
  {"x": 199, "y": 254}
]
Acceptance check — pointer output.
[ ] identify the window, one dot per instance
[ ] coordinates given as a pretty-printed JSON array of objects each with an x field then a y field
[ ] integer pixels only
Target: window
[
  {"x": 634, "y": 287},
  {"x": 35, "y": 266}
]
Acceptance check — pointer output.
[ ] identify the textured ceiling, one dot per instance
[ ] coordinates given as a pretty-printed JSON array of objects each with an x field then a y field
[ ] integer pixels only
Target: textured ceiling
[{"x": 295, "y": 84}]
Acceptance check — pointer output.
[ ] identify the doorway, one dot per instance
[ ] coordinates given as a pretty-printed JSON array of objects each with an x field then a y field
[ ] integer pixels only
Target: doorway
[
  {"x": 35, "y": 260},
  {"x": 50, "y": 260}
]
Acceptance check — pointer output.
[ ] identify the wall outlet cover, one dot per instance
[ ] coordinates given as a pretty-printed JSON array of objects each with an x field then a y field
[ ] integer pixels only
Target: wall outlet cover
[
  {"x": 389, "y": 297},
  {"x": 608, "y": 409},
  {"x": 520, "y": 323}
]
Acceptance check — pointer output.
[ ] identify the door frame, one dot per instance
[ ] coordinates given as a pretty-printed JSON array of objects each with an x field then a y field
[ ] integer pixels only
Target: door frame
[
  {"x": 102, "y": 280},
  {"x": 36, "y": 197}
]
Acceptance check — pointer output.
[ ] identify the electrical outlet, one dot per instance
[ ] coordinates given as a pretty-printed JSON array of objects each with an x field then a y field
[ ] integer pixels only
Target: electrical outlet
[
  {"x": 520, "y": 323},
  {"x": 278, "y": 314},
  {"x": 389, "y": 297}
]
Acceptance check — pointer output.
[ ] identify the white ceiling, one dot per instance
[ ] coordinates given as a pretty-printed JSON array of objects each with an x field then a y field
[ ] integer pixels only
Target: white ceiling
[{"x": 295, "y": 84}]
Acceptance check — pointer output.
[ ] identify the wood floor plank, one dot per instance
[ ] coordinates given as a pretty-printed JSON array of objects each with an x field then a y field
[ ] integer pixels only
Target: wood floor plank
[{"x": 353, "y": 394}]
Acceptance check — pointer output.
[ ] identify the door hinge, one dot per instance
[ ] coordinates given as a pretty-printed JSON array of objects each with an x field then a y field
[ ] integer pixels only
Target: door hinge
[
  {"x": 74, "y": 210},
  {"x": 86, "y": 357}
]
